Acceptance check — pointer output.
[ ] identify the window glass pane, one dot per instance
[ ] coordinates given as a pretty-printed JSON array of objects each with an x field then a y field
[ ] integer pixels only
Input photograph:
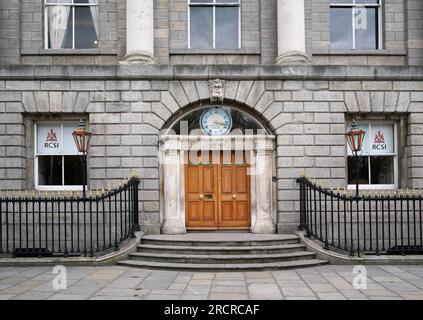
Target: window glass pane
[
  {"x": 227, "y": 27},
  {"x": 341, "y": 1},
  {"x": 365, "y": 22},
  {"x": 201, "y": 27},
  {"x": 227, "y": 1},
  {"x": 367, "y": 1},
  {"x": 382, "y": 139},
  {"x": 85, "y": 31},
  {"x": 50, "y": 170},
  {"x": 69, "y": 147},
  {"x": 341, "y": 28},
  {"x": 382, "y": 170},
  {"x": 59, "y": 27},
  {"x": 49, "y": 138},
  {"x": 59, "y": 1},
  {"x": 363, "y": 177},
  {"x": 201, "y": 1},
  {"x": 73, "y": 171}
]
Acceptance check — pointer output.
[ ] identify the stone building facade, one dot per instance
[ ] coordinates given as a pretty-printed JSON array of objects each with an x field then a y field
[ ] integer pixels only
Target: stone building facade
[{"x": 143, "y": 76}]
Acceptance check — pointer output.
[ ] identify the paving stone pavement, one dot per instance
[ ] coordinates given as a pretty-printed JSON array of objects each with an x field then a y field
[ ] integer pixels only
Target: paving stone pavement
[{"x": 332, "y": 282}]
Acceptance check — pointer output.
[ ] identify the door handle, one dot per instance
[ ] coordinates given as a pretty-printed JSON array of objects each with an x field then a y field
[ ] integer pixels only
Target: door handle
[
  {"x": 234, "y": 196},
  {"x": 201, "y": 196}
]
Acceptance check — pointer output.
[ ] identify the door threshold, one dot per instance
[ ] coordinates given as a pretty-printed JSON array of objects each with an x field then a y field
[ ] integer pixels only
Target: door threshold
[{"x": 232, "y": 230}]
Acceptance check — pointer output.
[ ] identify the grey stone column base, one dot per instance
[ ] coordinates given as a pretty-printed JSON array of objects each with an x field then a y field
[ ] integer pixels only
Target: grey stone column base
[
  {"x": 138, "y": 59},
  {"x": 292, "y": 57},
  {"x": 264, "y": 227},
  {"x": 173, "y": 227}
]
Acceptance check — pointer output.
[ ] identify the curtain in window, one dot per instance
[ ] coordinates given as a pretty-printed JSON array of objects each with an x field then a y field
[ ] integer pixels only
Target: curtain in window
[
  {"x": 94, "y": 14},
  {"x": 58, "y": 23}
]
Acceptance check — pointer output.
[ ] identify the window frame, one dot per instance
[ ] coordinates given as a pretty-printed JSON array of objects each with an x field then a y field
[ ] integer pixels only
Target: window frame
[
  {"x": 361, "y": 5},
  {"x": 62, "y": 187},
  {"x": 214, "y": 5},
  {"x": 72, "y": 5},
  {"x": 394, "y": 155}
]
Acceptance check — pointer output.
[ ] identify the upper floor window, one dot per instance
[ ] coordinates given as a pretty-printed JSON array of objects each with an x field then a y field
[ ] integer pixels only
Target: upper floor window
[
  {"x": 355, "y": 24},
  {"x": 379, "y": 156},
  {"x": 214, "y": 24},
  {"x": 71, "y": 24}
]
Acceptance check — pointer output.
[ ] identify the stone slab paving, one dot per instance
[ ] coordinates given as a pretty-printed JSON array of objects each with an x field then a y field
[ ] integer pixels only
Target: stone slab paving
[{"x": 332, "y": 282}]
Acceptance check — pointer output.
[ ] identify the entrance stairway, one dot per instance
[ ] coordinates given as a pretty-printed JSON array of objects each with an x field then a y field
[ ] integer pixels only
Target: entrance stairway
[{"x": 221, "y": 252}]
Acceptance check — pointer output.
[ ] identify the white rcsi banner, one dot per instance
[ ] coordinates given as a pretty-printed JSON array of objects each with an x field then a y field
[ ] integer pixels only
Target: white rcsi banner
[
  {"x": 52, "y": 140},
  {"x": 379, "y": 139},
  {"x": 382, "y": 139}
]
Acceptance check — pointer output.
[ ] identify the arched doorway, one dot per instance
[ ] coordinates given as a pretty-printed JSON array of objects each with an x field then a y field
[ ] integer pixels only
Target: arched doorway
[{"x": 217, "y": 166}]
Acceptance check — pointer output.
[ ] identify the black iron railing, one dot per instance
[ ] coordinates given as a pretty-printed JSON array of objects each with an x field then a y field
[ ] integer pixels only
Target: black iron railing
[
  {"x": 381, "y": 223},
  {"x": 68, "y": 224}
]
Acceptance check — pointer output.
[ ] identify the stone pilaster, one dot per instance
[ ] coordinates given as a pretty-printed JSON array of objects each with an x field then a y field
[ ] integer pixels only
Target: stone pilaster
[
  {"x": 172, "y": 223},
  {"x": 291, "y": 32},
  {"x": 264, "y": 222},
  {"x": 139, "y": 32}
]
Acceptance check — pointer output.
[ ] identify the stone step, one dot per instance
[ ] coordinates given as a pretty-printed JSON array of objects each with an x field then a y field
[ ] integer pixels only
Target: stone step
[
  {"x": 221, "y": 259},
  {"x": 220, "y": 240},
  {"x": 223, "y": 267},
  {"x": 193, "y": 250}
]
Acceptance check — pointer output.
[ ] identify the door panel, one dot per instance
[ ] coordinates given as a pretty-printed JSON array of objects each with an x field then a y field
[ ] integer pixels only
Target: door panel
[
  {"x": 241, "y": 173},
  {"x": 242, "y": 211},
  {"x": 192, "y": 179},
  {"x": 235, "y": 196},
  {"x": 217, "y": 196},
  {"x": 200, "y": 196},
  {"x": 209, "y": 211},
  {"x": 226, "y": 180},
  {"x": 208, "y": 179}
]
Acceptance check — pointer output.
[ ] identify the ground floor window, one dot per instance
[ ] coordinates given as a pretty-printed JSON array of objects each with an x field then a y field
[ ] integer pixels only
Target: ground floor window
[
  {"x": 379, "y": 157},
  {"x": 57, "y": 163}
]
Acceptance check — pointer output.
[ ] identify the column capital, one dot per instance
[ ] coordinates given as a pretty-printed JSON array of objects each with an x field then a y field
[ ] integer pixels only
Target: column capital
[{"x": 264, "y": 144}]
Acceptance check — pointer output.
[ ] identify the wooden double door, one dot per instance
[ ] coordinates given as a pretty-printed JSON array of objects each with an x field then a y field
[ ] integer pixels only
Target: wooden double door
[{"x": 217, "y": 195}]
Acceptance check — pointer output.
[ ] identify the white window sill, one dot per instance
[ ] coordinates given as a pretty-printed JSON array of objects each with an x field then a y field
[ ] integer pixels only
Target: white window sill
[
  {"x": 93, "y": 51},
  {"x": 58, "y": 188},
  {"x": 364, "y": 187},
  {"x": 255, "y": 51},
  {"x": 368, "y": 52}
]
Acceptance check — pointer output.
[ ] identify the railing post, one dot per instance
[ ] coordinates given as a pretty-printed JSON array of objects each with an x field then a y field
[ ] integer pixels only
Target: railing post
[
  {"x": 326, "y": 222},
  {"x": 1, "y": 224},
  {"x": 302, "y": 206},
  {"x": 136, "y": 210},
  {"x": 307, "y": 210}
]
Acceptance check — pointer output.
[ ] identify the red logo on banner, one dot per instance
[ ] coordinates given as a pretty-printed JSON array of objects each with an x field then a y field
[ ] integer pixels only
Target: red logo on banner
[
  {"x": 51, "y": 136},
  {"x": 379, "y": 138}
]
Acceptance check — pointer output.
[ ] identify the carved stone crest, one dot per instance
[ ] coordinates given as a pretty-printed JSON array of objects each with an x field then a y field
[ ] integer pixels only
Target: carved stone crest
[{"x": 217, "y": 90}]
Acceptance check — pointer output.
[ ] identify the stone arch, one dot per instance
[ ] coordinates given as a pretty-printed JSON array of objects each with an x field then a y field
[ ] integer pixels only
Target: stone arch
[
  {"x": 250, "y": 96},
  {"x": 259, "y": 118}
]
